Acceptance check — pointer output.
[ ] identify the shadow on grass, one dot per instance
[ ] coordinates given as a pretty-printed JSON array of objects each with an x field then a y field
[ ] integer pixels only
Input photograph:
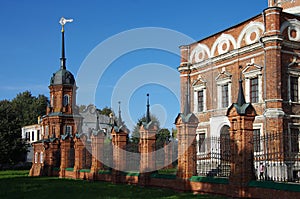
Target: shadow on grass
[{"x": 46, "y": 187}]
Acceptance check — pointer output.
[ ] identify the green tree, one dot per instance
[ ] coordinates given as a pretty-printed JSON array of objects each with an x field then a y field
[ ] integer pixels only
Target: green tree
[
  {"x": 23, "y": 110},
  {"x": 162, "y": 137},
  {"x": 105, "y": 111},
  {"x": 81, "y": 108},
  {"x": 174, "y": 133}
]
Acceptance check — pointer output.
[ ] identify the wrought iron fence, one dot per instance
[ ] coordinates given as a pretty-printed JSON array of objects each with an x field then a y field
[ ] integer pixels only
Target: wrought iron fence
[
  {"x": 276, "y": 156},
  {"x": 213, "y": 157}
]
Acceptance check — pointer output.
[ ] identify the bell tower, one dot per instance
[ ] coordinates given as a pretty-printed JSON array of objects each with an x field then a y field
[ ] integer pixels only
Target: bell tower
[
  {"x": 289, "y": 6},
  {"x": 61, "y": 117}
]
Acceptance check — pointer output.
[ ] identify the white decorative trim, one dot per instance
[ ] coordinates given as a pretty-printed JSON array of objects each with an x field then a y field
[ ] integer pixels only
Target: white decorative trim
[
  {"x": 292, "y": 25},
  {"x": 221, "y": 81},
  {"x": 252, "y": 27},
  {"x": 200, "y": 53},
  {"x": 224, "y": 39},
  {"x": 198, "y": 132},
  {"x": 253, "y": 74},
  {"x": 199, "y": 85},
  {"x": 260, "y": 127},
  {"x": 274, "y": 113}
]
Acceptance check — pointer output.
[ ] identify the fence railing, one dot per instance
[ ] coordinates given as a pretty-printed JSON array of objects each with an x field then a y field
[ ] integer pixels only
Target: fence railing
[{"x": 276, "y": 157}]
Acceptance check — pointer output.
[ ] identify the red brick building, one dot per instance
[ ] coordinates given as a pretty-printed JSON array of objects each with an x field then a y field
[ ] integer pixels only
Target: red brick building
[
  {"x": 264, "y": 51},
  {"x": 60, "y": 122}
]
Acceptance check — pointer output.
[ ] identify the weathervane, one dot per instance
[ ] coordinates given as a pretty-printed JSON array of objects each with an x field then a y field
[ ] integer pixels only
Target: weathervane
[{"x": 63, "y": 21}]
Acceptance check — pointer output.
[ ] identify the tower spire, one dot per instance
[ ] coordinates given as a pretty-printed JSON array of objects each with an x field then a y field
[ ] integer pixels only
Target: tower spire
[
  {"x": 63, "y": 21},
  {"x": 120, "y": 117},
  {"x": 148, "y": 118},
  {"x": 62, "y": 58},
  {"x": 241, "y": 97}
]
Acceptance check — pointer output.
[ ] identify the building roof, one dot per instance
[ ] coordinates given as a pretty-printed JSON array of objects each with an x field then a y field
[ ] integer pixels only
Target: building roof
[{"x": 62, "y": 76}]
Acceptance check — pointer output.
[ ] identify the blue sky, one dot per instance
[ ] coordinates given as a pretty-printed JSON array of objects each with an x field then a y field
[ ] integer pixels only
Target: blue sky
[{"x": 30, "y": 45}]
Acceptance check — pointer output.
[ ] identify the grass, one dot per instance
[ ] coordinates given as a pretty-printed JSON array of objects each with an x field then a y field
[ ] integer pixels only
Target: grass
[{"x": 17, "y": 184}]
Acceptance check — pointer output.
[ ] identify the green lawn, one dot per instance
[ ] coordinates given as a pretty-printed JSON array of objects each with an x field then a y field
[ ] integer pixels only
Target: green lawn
[{"x": 16, "y": 184}]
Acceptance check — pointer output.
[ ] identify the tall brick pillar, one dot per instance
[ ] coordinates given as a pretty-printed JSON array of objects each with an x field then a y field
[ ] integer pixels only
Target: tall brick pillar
[
  {"x": 52, "y": 158},
  {"x": 119, "y": 142},
  {"x": 241, "y": 116},
  {"x": 97, "y": 152},
  {"x": 79, "y": 147},
  {"x": 147, "y": 150},
  {"x": 66, "y": 148},
  {"x": 186, "y": 133},
  {"x": 272, "y": 42}
]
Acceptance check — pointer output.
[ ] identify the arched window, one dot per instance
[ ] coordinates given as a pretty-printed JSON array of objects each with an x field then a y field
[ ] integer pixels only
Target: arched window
[{"x": 66, "y": 100}]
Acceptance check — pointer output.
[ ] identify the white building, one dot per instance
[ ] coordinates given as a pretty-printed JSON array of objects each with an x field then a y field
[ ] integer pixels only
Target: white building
[{"x": 31, "y": 133}]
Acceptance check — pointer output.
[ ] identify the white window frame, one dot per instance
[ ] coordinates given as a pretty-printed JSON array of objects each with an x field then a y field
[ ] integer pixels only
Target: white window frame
[
  {"x": 220, "y": 83},
  {"x": 251, "y": 75},
  {"x": 293, "y": 73},
  {"x": 198, "y": 88},
  {"x": 201, "y": 131},
  {"x": 260, "y": 127},
  {"x": 224, "y": 78}
]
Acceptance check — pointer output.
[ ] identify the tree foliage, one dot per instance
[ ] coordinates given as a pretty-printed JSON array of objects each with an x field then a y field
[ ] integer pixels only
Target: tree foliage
[
  {"x": 23, "y": 110},
  {"x": 105, "y": 111},
  {"x": 162, "y": 137}
]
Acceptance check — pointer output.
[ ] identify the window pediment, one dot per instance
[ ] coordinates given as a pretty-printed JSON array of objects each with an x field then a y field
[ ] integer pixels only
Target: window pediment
[
  {"x": 199, "y": 83},
  {"x": 223, "y": 77},
  {"x": 252, "y": 70}
]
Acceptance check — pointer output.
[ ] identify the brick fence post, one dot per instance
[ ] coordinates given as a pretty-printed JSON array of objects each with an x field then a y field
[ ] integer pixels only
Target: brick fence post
[
  {"x": 119, "y": 142},
  {"x": 241, "y": 116},
  {"x": 97, "y": 153},
  {"x": 79, "y": 147},
  {"x": 186, "y": 125},
  {"x": 66, "y": 160},
  {"x": 147, "y": 150}
]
